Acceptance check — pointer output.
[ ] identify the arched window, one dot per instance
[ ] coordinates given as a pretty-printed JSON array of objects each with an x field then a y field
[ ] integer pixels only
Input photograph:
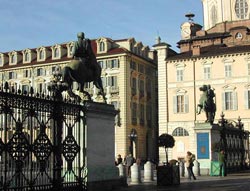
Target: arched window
[
  {"x": 241, "y": 8},
  {"x": 56, "y": 52},
  {"x": 13, "y": 58},
  {"x": 213, "y": 15},
  {"x": 41, "y": 54},
  {"x": 102, "y": 46},
  {"x": 180, "y": 132},
  {"x": 26, "y": 57}
]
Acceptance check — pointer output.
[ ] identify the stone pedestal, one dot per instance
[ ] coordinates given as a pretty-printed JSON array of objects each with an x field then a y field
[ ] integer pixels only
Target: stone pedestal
[
  {"x": 206, "y": 136},
  {"x": 100, "y": 157}
]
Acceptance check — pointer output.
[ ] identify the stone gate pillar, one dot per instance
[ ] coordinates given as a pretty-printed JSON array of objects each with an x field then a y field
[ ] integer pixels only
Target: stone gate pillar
[{"x": 100, "y": 141}]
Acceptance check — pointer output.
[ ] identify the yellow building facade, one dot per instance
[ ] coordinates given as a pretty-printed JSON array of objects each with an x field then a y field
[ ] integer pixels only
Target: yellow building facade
[
  {"x": 218, "y": 56},
  {"x": 129, "y": 80}
]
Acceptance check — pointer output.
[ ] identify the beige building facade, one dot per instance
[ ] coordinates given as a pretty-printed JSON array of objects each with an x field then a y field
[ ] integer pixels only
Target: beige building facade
[
  {"x": 218, "y": 55},
  {"x": 129, "y": 80}
]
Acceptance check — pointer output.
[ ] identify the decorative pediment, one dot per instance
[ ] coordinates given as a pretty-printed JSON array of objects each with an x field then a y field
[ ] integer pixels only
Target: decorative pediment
[
  {"x": 228, "y": 60},
  {"x": 229, "y": 87},
  {"x": 207, "y": 62},
  {"x": 180, "y": 65},
  {"x": 180, "y": 91}
]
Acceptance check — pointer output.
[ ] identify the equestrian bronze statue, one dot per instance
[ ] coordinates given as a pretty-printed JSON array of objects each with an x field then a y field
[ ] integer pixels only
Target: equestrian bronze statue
[
  {"x": 207, "y": 103},
  {"x": 83, "y": 68}
]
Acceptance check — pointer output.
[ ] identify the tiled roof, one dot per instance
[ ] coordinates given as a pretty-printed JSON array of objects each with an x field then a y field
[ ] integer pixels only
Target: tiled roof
[{"x": 215, "y": 50}]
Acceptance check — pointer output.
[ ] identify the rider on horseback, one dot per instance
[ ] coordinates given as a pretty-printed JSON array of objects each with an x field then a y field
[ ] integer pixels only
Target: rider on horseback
[
  {"x": 80, "y": 49},
  {"x": 207, "y": 103}
]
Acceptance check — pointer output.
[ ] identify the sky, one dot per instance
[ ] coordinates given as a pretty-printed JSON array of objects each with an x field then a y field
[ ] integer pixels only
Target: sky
[{"x": 35, "y": 23}]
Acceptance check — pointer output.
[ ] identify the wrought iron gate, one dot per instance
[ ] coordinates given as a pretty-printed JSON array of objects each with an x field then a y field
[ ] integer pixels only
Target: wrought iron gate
[{"x": 41, "y": 142}]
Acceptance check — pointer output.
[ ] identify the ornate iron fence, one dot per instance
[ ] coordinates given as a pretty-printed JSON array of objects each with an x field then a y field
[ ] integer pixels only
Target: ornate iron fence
[{"x": 41, "y": 142}]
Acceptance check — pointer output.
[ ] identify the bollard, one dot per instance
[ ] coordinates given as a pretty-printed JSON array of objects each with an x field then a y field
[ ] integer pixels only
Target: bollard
[
  {"x": 121, "y": 170},
  {"x": 185, "y": 171},
  {"x": 196, "y": 168},
  {"x": 135, "y": 174},
  {"x": 182, "y": 169},
  {"x": 148, "y": 172}
]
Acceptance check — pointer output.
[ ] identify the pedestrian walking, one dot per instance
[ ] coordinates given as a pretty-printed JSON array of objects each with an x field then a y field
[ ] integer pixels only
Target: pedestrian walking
[
  {"x": 129, "y": 161},
  {"x": 189, "y": 165}
]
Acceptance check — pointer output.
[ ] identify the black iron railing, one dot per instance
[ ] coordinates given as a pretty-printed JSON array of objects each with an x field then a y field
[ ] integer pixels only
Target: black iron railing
[{"x": 41, "y": 141}]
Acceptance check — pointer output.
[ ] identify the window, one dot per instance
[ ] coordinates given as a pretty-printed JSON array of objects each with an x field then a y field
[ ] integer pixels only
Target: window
[
  {"x": 134, "y": 113},
  {"x": 40, "y": 88},
  {"x": 228, "y": 70},
  {"x": 238, "y": 36},
  {"x": 229, "y": 99},
  {"x": 13, "y": 58},
  {"x": 102, "y": 47},
  {"x": 12, "y": 75},
  {"x": 247, "y": 99},
  {"x": 112, "y": 81},
  {"x": 248, "y": 68},
  {"x": 26, "y": 73},
  {"x": 241, "y": 8},
  {"x": 41, "y": 55},
  {"x": 180, "y": 104},
  {"x": 1, "y": 61},
  {"x": 141, "y": 68},
  {"x": 133, "y": 65},
  {"x": 179, "y": 132},
  {"x": 213, "y": 15},
  {"x": 141, "y": 88},
  {"x": 70, "y": 50},
  {"x": 115, "y": 63},
  {"x": 25, "y": 88},
  {"x": 102, "y": 64},
  {"x": 142, "y": 111},
  {"x": 56, "y": 53},
  {"x": 134, "y": 89},
  {"x": 26, "y": 57},
  {"x": 40, "y": 72},
  {"x": 179, "y": 74},
  {"x": 207, "y": 72}
]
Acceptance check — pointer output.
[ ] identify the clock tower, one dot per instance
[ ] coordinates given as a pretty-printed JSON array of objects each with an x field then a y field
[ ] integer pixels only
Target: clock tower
[{"x": 189, "y": 28}]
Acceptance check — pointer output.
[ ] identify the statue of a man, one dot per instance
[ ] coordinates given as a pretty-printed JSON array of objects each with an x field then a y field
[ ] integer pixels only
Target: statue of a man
[
  {"x": 80, "y": 49},
  {"x": 207, "y": 103}
]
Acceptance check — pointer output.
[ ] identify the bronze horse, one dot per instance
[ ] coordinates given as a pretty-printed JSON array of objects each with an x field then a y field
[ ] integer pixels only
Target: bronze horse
[
  {"x": 83, "y": 71},
  {"x": 207, "y": 103}
]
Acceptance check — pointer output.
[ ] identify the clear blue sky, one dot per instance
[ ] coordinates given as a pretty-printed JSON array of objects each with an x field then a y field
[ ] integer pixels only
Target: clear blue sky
[{"x": 34, "y": 23}]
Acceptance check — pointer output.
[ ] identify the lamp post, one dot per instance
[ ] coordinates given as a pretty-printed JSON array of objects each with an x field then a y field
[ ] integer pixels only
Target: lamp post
[{"x": 133, "y": 137}]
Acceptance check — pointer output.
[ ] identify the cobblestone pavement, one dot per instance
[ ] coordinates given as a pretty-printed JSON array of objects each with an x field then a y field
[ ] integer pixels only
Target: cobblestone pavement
[{"x": 232, "y": 182}]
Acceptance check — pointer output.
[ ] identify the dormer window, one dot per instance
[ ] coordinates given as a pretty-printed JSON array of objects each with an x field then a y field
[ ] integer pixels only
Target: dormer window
[
  {"x": 13, "y": 59},
  {"x": 102, "y": 47},
  {"x": 26, "y": 57},
  {"x": 1, "y": 61},
  {"x": 41, "y": 55},
  {"x": 56, "y": 52}
]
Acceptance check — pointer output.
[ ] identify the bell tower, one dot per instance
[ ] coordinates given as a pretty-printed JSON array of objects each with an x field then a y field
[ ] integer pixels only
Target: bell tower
[{"x": 218, "y": 11}]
